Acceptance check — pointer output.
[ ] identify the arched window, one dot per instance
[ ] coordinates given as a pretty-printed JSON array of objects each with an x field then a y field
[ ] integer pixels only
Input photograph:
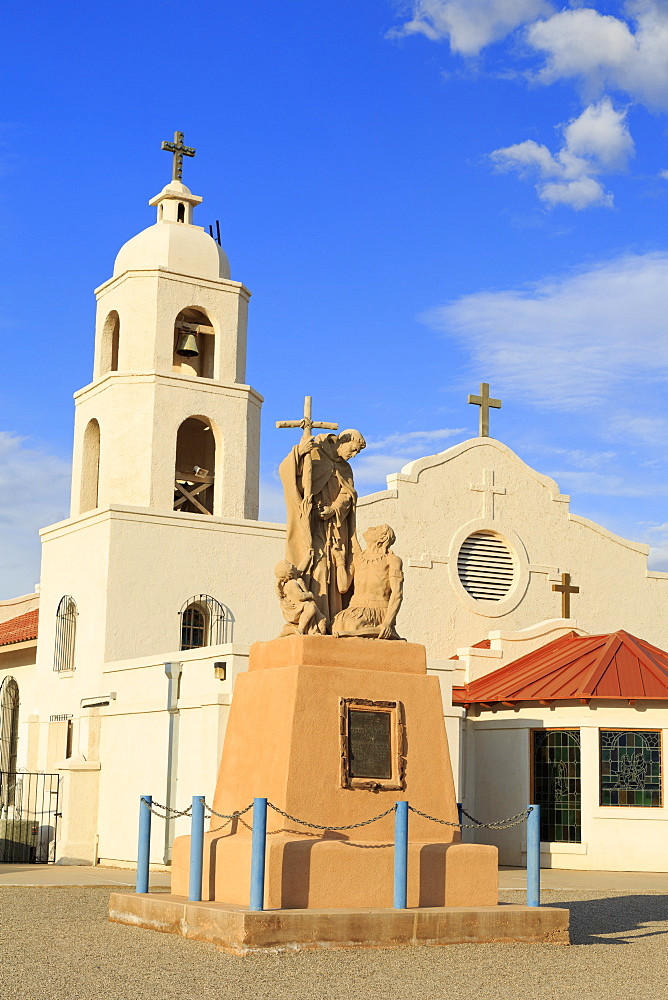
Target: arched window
[
  {"x": 181, "y": 212},
  {"x": 194, "y": 343},
  {"x": 9, "y": 724},
  {"x": 195, "y": 467},
  {"x": 204, "y": 621},
  {"x": 110, "y": 337},
  {"x": 66, "y": 629},
  {"x": 9, "y": 739},
  {"x": 90, "y": 467}
]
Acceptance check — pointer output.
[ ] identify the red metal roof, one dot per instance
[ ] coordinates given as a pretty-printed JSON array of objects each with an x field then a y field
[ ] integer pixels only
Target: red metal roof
[
  {"x": 576, "y": 667},
  {"x": 20, "y": 629}
]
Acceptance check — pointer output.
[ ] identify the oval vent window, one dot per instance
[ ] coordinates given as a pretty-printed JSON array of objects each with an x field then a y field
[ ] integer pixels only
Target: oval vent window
[{"x": 485, "y": 566}]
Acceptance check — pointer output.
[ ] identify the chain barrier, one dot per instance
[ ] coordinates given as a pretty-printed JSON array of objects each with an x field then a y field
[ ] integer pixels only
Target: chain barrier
[
  {"x": 239, "y": 812},
  {"x": 499, "y": 824},
  {"x": 319, "y": 826},
  {"x": 476, "y": 824},
  {"x": 167, "y": 810}
]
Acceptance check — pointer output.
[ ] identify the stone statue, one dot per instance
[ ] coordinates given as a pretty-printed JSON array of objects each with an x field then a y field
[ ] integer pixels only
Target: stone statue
[
  {"x": 297, "y": 604},
  {"x": 378, "y": 587},
  {"x": 320, "y": 502}
]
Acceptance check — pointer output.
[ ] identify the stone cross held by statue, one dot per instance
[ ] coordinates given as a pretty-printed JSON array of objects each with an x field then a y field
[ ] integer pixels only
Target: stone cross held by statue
[
  {"x": 307, "y": 423},
  {"x": 179, "y": 150},
  {"x": 484, "y": 402},
  {"x": 565, "y": 589}
]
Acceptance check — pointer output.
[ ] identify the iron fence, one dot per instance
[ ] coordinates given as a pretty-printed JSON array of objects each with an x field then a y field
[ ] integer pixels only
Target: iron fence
[{"x": 28, "y": 817}]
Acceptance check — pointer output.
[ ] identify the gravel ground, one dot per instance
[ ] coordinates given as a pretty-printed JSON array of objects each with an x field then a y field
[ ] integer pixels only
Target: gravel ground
[{"x": 56, "y": 944}]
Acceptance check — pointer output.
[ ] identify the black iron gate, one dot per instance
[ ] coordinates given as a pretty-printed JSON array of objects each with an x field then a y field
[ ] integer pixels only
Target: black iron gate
[{"x": 28, "y": 817}]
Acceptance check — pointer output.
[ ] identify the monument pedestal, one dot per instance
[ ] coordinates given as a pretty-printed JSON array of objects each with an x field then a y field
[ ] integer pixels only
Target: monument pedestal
[{"x": 336, "y": 730}]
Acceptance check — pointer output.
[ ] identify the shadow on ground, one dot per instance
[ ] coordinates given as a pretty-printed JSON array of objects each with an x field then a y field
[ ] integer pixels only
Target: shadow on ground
[{"x": 617, "y": 919}]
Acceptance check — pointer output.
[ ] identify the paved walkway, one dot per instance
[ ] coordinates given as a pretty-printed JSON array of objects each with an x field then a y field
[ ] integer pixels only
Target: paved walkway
[
  {"x": 509, "y": 878},
  {"x": 591, "y": 881},
  {"x": 75, "y": 875}
]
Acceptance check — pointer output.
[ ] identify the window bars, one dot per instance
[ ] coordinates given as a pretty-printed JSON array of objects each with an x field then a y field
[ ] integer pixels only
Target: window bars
[
  {"x": 9, "y": 723},
  {"x": 66, "y": 627},
  {"x": 204, "y": 621}
]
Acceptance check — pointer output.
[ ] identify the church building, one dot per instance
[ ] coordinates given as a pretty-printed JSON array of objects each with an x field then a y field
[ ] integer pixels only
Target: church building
[{"x": 547, "y": 632}]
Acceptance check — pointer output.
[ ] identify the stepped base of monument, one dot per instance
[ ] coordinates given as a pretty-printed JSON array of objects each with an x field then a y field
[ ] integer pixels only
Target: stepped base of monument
[{"x": 244, "y": 932}]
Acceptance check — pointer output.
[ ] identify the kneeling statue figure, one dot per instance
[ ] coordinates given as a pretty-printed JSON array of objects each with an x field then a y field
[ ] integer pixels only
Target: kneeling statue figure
[{"x": 378, "y": 587}]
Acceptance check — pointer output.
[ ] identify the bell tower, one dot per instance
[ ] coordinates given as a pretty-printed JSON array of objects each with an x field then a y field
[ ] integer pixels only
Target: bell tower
[{"x": 168, "y": 422}]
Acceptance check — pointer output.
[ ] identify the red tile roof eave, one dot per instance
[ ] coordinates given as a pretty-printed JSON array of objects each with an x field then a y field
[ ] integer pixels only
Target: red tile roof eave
[
  {"x": 21, "y": 629},
  {"x": 17, "y": 642}
]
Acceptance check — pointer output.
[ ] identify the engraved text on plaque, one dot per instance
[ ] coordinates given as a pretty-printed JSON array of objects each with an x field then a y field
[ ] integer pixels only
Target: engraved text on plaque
[{"x": 370, "y": 744}]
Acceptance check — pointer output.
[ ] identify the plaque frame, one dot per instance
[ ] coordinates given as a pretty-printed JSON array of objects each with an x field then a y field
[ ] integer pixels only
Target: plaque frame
[{"x": 398, "y": 745}]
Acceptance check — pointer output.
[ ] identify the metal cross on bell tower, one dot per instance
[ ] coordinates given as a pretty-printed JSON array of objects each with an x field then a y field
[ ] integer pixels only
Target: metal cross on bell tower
[{"x": 179, "y": 150}]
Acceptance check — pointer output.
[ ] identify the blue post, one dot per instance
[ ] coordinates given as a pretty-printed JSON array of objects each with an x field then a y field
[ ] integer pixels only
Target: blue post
[
  {"x": 533, "y": 856},
  {"x": 258, "y": 850},
  {"x": 400, "y": 855},
  {"x": 144, "y": 846},
  {"x": 196, "y": 849},
  {"x": 459, "y": 813}
]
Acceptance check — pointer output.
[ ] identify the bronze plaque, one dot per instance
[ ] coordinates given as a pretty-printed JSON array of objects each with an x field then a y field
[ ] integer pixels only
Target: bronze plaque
[{"x": 369, "y": 744}]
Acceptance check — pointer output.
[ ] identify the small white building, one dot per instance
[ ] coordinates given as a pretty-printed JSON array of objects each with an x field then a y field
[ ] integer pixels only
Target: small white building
[{"x": 152, "y": 591}]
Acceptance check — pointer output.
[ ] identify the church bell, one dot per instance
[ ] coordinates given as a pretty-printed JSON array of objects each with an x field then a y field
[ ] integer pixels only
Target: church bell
[{"x": 187, "y": 345}]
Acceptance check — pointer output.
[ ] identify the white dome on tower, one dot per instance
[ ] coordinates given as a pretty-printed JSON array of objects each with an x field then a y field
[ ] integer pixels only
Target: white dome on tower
[{"x": 173, "y": 242}]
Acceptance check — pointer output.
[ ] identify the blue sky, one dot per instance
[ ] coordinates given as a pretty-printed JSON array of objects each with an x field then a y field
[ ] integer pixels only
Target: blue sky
[{"x": 421, "y": 196}]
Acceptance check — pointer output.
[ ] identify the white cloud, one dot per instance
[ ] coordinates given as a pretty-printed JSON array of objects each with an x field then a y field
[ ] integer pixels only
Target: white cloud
[
  {"x": 605, "y": 484},
  {"x": 469, "y": 25},
  {"x": 571, "y": 342},
  {"x": 664, "y": 174},
  {"x": 598, "y": 140},
  {"x": 34, "y": 492},
  {"x": 604, "y": 52},
  {"x": 384, "y": 456},
  {"x": 656, "y": 536},
  {"x": 411, "y": 440}
]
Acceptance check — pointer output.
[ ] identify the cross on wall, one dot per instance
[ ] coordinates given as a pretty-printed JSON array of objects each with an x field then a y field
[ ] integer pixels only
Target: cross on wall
[
  {"x": 489, "y": 491},
  {"x": 565, "y": 589}
]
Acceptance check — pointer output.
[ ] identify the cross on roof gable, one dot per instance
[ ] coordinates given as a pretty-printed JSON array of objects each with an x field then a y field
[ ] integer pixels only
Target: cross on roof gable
[{"x": 616, "y": 666}]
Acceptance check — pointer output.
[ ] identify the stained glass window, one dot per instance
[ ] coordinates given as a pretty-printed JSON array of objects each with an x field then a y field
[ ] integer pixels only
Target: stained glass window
[
  {"x": 556, "y": 784},
  {"x": 630, "y": 768}
]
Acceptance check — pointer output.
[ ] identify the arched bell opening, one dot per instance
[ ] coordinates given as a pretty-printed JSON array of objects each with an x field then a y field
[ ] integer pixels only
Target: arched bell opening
[
  {"x": 110, "y": 339},
  {"x": 90, "y": 468},
  {"x": 195, "y": 467},
  {"x": 181, "y": 213},
  {"x": 194, "y": 343}
]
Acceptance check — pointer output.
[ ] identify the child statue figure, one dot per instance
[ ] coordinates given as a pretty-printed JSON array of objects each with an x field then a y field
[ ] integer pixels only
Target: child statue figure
[
  {"x": 297, "y": 602},
  {"x": 378, "y": 587}
]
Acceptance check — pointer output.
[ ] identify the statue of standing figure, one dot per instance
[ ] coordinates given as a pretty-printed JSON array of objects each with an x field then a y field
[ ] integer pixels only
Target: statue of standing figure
[
  {"x": 355, "y": 592},
  {"x": 321, "y": 502}
]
